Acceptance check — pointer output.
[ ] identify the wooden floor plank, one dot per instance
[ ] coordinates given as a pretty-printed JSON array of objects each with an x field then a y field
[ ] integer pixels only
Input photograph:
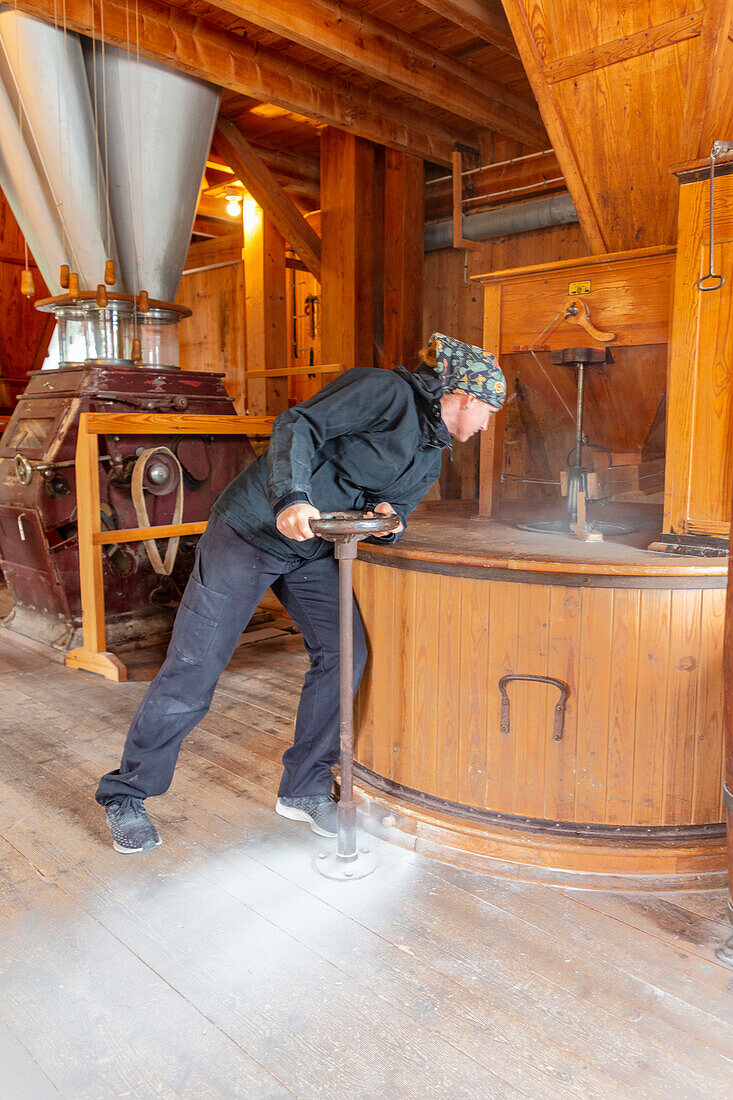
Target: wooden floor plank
[
  {"x": 96, "y": 1020},
  {"x": 22, "y": 1077},
  {"x": 630, "y": 1060},
  {"x": 263, "y": 987},
  {"x": 423, "y": 980}
]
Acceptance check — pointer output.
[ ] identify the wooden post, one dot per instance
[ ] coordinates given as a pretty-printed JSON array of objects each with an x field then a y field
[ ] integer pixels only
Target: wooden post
[
  {"x": 347, "y": 169},
  {"x": 265, "y": 311},
  {"x": 491, "y": 461},
  {"x": 403, "y": 258},
  {"x": 92, "y": 655}
]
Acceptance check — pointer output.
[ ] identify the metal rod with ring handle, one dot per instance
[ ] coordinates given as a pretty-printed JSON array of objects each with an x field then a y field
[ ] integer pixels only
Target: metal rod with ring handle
[{"x": 345, "y": 530}]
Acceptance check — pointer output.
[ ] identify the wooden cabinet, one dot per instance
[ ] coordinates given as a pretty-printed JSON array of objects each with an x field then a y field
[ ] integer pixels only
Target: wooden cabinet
[{"x": 699, "y": 479}]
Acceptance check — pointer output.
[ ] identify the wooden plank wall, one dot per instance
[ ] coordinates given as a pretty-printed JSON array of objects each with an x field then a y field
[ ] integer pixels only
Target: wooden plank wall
[
  {"x": 213, "y": 338},
  {"x": 626, "y": 90},
  {"x": 24, "y": 332},
  {"x": 454, "y": 305}
]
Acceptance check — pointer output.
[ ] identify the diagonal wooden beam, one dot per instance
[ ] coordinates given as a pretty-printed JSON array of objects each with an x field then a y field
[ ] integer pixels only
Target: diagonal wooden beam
[
  {"x": 481, "y": 18},
  {"x": 556, "y": 130},
  {"x": 182, "y": 41},
  {"x": 352, "y": 37},
  {"x": 236, "y": 151}
]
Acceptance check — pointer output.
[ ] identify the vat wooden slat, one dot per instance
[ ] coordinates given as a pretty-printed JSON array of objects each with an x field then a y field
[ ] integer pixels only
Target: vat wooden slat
[
  {"x": 651, "y": 695},
  {"x": 682, "y": 685},
  {"x": 594, "y": 686},
  {"x": 403, "y": 670},
  {"x": 384, "y": 659},
  {"x": 531, "y": 703},
  {"x": 449, "y": 687},
  {"x": 364, "y": 582},
  {"x": 622, "y": 706},
  {"x": 476, "y": 689},
  {"x": 503, "y": 660},
  {"x": 707, "y": 800},
  {"x": 427, "y": 618},
  {"x": 562, "y": 663}
]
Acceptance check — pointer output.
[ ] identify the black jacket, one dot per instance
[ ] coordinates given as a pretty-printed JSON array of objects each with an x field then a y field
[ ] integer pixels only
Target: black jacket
[{"x": 370, "y": 436}]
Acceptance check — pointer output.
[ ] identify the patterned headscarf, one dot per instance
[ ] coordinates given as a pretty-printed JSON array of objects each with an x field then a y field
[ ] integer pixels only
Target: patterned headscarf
[{"x": 469, "y": 369}]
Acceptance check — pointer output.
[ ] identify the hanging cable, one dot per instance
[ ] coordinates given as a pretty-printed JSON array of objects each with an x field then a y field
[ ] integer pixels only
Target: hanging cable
[
  {"x": 133, "y": 204},
  {"x": 106, "y": 140},
  {"x": 140, "y": 139},
  {"x": 531, "y": 348},
  {"x": 27, "y": 287}
]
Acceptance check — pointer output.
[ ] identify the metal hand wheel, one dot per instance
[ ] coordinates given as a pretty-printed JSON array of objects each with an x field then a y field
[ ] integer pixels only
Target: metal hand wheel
[{"x": 345, "y": 530}]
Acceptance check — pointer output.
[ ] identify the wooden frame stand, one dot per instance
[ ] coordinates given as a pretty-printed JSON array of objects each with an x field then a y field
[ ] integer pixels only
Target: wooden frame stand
[{"x": 93, "y": 655}]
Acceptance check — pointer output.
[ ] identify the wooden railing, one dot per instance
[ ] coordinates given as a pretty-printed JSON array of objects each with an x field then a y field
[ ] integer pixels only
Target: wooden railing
[{"x": 93, "y": 655}]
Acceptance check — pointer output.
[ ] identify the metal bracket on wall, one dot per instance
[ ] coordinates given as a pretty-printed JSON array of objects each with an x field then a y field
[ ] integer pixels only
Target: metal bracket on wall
[{"x": 557, "y": 728}]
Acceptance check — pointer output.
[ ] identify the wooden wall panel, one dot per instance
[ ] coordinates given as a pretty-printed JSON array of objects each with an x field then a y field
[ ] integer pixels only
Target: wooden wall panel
[
  {"x": 404, "y": 193},
  {"x": 699, "y": 478},
  {"x": 24, "y": 332},
  {"x": 266, "y": 322},
  {"x": 347, "y": 255},
  {"x": 598, "y": 23},
  {"x": 626, "y": 90},
  {"x": 630, "y": 186},
  {"x": 212, "y": 339},
  {"x": 454, "y": 305}
]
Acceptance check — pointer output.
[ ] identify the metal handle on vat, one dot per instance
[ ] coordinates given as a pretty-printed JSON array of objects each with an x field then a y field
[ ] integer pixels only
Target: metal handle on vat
[{"x": 557, "y": 728}]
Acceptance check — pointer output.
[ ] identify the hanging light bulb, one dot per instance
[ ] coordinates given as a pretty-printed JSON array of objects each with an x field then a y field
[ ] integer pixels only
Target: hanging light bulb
[{"x": 234, "y": 206}]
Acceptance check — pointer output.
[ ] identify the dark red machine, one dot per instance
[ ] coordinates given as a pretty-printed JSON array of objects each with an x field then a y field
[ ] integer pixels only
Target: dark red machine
[{"x": 38, "y": 534}]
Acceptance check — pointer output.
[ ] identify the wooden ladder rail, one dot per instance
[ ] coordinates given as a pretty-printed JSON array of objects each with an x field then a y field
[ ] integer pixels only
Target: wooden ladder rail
[{"x": 93, "y": 655}]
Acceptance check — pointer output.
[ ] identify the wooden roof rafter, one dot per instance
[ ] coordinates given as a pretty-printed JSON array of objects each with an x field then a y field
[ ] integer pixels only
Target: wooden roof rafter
[
  {"x": 380, "y": 50},
  {"x": 248, "y": 166},
  {"x": 185, "y": 42},
  {"x": 481, "y": 18}
]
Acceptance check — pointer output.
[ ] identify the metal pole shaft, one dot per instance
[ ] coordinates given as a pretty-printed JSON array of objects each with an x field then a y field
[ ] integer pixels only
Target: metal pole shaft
[
  {"x": 346, "y": 806},
  {"x": 579, "y": 418}
]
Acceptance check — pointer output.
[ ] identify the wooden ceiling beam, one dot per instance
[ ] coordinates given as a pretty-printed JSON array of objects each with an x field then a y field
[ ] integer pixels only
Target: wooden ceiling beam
[
  {"x": 218, "y": 252},
  {"x": 481, "y": 18},
  {"x": 353, "y": 37},
  {"x": 182, "y": 41},
  {"x": 278, "y": 207}
]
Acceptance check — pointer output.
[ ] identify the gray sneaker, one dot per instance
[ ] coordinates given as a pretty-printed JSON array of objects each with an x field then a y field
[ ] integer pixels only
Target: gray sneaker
[
  {"x": 319, "y": 809},
  {"x": 131, "y": 828}
]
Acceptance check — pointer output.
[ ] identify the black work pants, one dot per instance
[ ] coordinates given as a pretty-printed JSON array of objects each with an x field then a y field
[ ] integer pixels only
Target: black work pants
[{"x": 229, "y": 579}]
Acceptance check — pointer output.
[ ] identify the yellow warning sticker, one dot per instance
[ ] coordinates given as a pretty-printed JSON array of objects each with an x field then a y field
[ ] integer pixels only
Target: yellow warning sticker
[{"x": 582, "y": 286}]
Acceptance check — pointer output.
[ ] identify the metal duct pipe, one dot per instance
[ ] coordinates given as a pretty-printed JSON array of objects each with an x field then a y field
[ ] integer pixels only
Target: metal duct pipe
[
  {"x": 520, "y": 218},
  {"x": 159, "y": 126},
  {"x": 50, "y": 175}
]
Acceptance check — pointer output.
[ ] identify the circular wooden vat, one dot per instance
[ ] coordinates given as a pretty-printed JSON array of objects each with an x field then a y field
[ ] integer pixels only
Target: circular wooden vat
[{"x": 629, "y": 786}]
